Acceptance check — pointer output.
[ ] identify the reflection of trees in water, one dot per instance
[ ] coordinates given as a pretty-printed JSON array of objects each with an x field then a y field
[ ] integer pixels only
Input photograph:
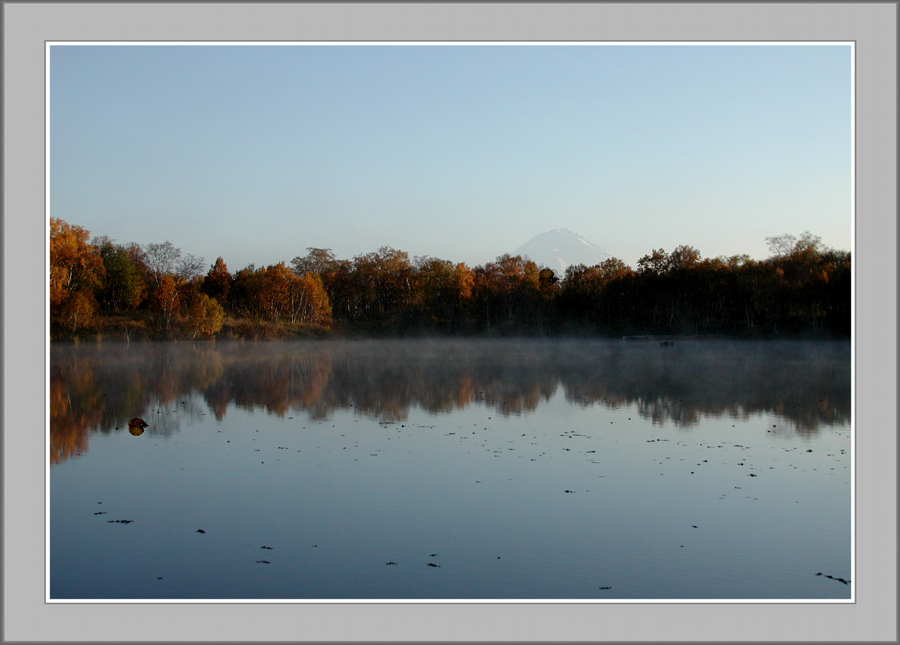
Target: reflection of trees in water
[
  {"x": 76, "y": 403},
  {"x": 807, "y": 383},
  {"x": 385, "y": 380},
  {"x": 255, "y": 377},
  {"x": 98, "y": 388}
]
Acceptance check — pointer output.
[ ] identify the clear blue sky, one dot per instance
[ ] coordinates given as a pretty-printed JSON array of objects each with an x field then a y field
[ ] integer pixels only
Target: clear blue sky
[{"x": 254, "y": 153}]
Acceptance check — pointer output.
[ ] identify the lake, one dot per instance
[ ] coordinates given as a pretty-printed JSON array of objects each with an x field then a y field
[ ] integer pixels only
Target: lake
[{"x": 586, "y": 470}]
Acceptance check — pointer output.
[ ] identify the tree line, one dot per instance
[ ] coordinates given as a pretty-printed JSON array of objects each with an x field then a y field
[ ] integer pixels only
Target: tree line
[{"x": 98, "y": 286}]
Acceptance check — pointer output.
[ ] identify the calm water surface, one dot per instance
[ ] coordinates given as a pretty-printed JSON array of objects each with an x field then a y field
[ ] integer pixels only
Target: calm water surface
[{"x": 496, "y": 469}]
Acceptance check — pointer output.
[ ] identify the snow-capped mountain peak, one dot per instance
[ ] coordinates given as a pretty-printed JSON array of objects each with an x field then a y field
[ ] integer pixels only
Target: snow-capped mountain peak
[{"x": 561, "y": 248}]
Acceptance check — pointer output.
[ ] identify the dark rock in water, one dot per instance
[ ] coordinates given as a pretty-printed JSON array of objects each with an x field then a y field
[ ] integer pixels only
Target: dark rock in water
[
  {"x": 119, "y": 521},
  {"x": 606, "y": 587},
  {"x": 432, "y": 564},
  {"x": 433, "y": 555},
  {"x": 100, "y": 513},
  {"x": 266, "y": 547},
  {"x": 263, "y": 562},
  {"x": 390, "y": 563},
  {"x": 200, "y": 531}
]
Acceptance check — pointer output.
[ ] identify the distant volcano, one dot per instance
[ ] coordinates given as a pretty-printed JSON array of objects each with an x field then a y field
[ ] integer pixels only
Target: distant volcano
[{"x": 561, "y": 248}]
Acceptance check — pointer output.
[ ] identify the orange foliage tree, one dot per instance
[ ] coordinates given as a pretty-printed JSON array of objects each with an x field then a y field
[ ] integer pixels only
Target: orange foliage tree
[
  {"x": 76, "y": 271},
  {"x": 309, "y": 302},
  {"x": 507, "y": 292},
  {"x": 218, "y": 281},
  {"x": 444, "y": 290},
  {"x": 165, "y": 302}
]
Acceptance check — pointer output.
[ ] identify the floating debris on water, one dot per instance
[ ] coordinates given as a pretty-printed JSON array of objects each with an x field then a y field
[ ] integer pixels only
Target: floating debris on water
[
  {"x": 119, "y": 521},
  {"x": 846, "y": 582},
  {"x": 136, "y": 426}
]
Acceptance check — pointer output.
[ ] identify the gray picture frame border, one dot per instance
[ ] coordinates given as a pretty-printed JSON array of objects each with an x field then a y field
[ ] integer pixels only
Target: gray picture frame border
[{"x": 27, "y": 26}]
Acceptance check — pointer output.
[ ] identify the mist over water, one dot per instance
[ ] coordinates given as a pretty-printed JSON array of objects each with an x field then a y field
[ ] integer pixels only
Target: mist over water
[
  {"x": 533, "y": 469},
  {"x": 805, "y": 383}
]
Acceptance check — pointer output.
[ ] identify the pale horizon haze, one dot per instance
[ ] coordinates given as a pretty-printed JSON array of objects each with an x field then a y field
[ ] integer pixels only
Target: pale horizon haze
[{"x": 461, "y": 152}]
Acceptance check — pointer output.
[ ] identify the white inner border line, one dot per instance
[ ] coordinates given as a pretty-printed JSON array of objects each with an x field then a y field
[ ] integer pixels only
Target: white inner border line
[{"x": 48, "y": 45}]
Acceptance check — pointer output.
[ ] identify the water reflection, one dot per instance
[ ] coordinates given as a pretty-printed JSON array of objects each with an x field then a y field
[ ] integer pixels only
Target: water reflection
[{"x": 101, "y": 387}]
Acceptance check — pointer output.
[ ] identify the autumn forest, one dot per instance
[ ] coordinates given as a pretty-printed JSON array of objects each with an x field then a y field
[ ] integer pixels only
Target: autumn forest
[{"x": 102, "y": 289}]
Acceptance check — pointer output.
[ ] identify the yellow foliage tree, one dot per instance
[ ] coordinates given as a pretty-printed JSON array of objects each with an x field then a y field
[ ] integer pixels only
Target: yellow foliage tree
[{"x": 203, "y": 316}]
